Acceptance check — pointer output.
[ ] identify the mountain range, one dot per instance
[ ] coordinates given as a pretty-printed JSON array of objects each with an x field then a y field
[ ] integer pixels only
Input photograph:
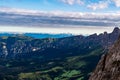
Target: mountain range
[
  {"x": 68, "y": 58},
  {"x": 18, "y": 45}
]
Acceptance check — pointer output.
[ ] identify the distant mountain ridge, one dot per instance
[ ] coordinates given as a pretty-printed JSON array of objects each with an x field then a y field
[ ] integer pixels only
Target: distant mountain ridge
[
  {"x": 19, "y": 45},
  {"x": 36, "y": 35}
]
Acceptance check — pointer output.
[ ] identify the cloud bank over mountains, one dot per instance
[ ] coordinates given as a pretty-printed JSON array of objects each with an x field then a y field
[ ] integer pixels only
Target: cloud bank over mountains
[
  {"x": 23, "y": 17},
  {"x": 59, "y": 16},
  {"x": 56, "y": 22},
  {"x": 56, "y": 30}
]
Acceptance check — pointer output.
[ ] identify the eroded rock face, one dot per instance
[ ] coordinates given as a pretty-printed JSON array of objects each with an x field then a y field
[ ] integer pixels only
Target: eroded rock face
[{"x": 108, "y": 67}]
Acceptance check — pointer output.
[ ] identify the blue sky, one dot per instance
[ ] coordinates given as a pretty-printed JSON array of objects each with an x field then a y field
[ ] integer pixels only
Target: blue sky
[
  {"x": 59, "y": 16},
  {"x": 65, "y": 5}
]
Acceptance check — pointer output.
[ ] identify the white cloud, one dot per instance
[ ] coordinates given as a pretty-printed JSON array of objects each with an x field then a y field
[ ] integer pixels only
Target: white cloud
[
  {"x": 117, "y": 3},
  {"x": 71, "y": 2},
  {"x": 57, "y": 21},
  {"x": 55, "y": 18},
  {"x": 59, "y": 13},
  {"x": 60, "y": 30},
  {"x": 99, "y": 5}
]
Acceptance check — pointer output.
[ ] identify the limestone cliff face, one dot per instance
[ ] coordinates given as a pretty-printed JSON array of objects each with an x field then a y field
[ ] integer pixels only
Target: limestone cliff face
[{"x": 108, "y": 67}]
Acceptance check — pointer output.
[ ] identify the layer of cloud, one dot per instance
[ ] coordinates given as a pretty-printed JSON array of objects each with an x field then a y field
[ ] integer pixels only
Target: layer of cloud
[
  {"x": 56, "y": 22},
  {"x": 22, "y": 17},
  {"x": 61, "y": 30}
]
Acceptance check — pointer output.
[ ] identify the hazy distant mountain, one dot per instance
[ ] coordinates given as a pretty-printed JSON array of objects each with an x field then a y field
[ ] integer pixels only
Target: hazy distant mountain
[{"x": 36, "y": 35}]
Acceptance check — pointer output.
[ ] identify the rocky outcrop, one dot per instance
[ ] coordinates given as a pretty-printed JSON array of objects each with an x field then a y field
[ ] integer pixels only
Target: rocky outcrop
[{"x": 108, "y": 67}]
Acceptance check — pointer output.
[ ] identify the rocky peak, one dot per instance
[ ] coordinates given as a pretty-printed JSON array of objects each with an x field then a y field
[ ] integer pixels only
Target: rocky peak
[
  {"x": 108, "y": 67},
  {"x": 116, "y": 30},
  {"x": 105, "y": 33}
]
